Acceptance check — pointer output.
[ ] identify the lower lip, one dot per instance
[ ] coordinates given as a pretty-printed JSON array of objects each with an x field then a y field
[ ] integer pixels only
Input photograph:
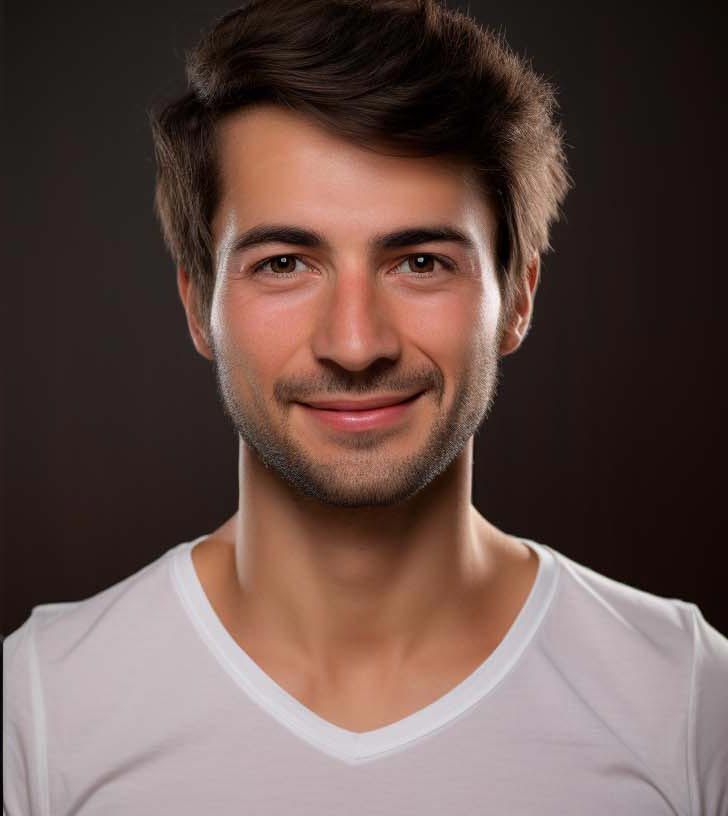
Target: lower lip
[{"x": 362, "y": 420}]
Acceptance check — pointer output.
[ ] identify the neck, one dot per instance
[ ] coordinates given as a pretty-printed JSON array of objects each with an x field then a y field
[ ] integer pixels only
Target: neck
[{"x": 343, "y": 586}]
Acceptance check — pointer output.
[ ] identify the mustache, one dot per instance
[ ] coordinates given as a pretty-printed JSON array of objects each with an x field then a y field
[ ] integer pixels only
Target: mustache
[{"x": 301, "y": 391}]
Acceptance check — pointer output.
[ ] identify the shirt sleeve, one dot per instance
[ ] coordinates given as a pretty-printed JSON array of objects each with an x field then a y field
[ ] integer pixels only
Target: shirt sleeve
[
  {"x": 24, "y": 776},
  {"x": 708, "y": 737}
]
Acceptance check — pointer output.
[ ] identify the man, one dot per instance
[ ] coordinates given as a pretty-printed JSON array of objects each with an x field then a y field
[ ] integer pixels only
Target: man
[{"x": 357, "y": 196}]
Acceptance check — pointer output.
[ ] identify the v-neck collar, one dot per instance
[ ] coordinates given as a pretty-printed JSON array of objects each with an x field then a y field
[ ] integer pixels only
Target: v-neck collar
[{"x": 350, "y": 746}]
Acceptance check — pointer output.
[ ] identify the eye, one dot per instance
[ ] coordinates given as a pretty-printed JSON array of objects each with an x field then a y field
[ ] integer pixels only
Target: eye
[
  {"x": 281, "y": 266},
  {"x": 422, "y": 264}
]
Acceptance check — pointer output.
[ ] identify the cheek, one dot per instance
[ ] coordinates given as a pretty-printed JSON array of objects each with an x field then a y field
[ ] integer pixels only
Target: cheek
[
  {"x": 257, "y": 332},
  {"x": 457, "y": 325}
]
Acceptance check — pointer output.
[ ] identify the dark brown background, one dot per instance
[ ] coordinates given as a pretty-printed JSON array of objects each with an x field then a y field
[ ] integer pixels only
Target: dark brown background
[{"x": 607, "y": 439}]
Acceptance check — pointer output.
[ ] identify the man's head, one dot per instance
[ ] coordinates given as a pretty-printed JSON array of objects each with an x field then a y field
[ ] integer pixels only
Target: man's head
[
  {"x": 409, "y": 77},
  {"x": 355, "y": 123}
]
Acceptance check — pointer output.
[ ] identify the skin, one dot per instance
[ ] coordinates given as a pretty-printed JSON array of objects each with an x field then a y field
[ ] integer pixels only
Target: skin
[{"x": 355, "y": 560}]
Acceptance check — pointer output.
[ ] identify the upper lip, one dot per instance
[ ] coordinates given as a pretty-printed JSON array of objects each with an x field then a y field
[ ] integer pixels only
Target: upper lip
[{"x": 360, "y": 405}]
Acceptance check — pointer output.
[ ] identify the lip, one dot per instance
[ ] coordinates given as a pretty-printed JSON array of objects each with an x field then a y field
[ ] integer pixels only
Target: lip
[
  {"x": 360, "y": 405},
  {"x": 363, "y": 419}
]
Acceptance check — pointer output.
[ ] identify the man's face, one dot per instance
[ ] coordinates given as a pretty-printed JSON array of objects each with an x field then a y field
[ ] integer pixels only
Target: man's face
[{"x": 350, "y": 318}]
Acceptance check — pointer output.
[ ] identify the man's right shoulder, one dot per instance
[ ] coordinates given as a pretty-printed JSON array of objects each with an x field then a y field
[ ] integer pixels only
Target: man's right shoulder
[
  {"x": 58, "y": 629},
  {"x": 68, "y": 667}
]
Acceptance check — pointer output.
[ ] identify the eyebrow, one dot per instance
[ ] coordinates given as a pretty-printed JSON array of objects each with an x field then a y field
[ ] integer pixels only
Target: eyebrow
[{"x": 287, "y": 234}]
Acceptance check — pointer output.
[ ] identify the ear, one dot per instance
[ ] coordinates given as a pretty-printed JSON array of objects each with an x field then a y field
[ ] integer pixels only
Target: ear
[
  {"x": 515, "y": 331},
  {"x": 188, "y": 296}
]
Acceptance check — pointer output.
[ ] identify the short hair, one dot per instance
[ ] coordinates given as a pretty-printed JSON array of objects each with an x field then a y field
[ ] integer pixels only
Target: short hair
[{"x": 410, "y": 76}]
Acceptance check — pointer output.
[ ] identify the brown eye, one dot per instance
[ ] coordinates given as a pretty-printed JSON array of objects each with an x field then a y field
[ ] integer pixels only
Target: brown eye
[
  {"x": 277, "y": 266},
  {"x": 282, "y": 263},
  {"x": 421, "y": 263},
  {"x": 424, "y": 265}
]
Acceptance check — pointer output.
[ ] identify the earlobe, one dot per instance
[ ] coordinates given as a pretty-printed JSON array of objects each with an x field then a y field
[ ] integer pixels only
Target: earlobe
[
  {"x": 512, "y": 338},
  {"x": 187, "y": 293}
]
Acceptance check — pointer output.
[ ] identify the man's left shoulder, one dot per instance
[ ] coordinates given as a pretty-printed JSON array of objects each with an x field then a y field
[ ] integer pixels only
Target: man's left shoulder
[
  {"x": 661, "y": 626},
  {"x": 654, "y": 669},
  {"x": 644, "y": 654}
]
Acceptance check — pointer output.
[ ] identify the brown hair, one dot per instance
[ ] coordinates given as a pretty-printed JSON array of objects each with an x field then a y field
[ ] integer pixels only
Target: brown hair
[{"x": 409, "y": 75}]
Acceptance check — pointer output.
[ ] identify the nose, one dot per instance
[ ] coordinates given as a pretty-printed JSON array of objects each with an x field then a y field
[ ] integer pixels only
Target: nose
[{"x": 356, "y": 325}]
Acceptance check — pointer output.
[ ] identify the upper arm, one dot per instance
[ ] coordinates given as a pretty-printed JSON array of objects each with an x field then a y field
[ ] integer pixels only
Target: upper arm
[
  {"x": 708, "y": 729},
  {"x": 24, "y": 778}
]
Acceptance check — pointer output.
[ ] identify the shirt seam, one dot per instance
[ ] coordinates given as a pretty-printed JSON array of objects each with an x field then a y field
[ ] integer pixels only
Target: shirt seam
[
  {"x": 690, "y": 752},
  {"x": 39, "y": 722}
]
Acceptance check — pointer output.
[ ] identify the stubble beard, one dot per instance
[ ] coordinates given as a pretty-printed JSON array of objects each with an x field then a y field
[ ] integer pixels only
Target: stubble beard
[{"x": 369, "y": 471}]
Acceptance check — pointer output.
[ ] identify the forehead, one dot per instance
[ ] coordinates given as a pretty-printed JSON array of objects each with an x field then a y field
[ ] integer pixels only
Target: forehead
[{"x": 277, "y": 165}]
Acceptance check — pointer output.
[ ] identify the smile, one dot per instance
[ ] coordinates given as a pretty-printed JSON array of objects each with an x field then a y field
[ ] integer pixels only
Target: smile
[{"x": 361, "y": 420}]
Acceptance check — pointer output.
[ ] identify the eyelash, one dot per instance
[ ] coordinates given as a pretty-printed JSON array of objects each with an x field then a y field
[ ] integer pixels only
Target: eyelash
[{"x": 257, "y": 269}]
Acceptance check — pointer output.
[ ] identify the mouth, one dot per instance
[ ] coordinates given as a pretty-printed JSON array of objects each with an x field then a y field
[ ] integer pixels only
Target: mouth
[
  {"x": 381, "y": 401},
  {"x": 349, "y": 419}
]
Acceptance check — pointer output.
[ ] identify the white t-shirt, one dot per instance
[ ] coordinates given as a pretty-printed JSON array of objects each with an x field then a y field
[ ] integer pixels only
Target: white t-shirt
[{"x": 601, "y": 699}]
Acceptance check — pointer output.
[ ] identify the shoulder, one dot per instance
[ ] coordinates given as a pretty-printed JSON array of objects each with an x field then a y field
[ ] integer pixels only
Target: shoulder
[
  {"x": 67, "y": 667},
  {"x": 666, "y": 623},
  {"x": 654, "y": 669},
  {"x": 57, "y": 630},
  {"x": 638, "y": 631},
  {"x": 64, "y": 643},
  {"x": 663, "y": 632},
  {"x": 627, "y": 652}
]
